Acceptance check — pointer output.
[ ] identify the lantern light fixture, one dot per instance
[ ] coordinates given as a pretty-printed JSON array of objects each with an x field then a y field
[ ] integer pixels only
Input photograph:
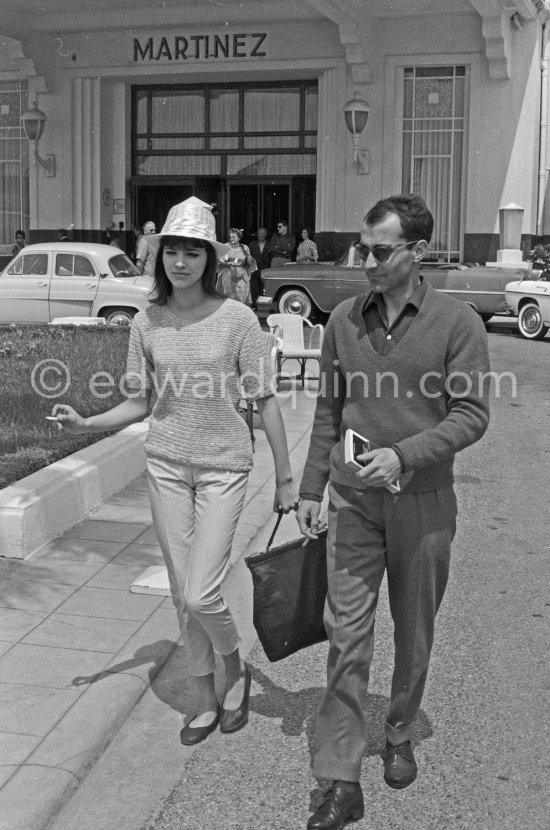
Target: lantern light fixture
[
  {"x": 356, "y": 114},
  {"x": 33, "y": 121}
]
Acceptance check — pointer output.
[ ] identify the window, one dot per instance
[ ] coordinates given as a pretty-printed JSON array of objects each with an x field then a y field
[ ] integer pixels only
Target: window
[
  {"x": 122, "y": 266},
  {"x": 30, "y": 265},
  {"x": 200, "y": 131},
  {"x": 73, "y": 265},
  {"x": 14, "y": 161},
  {"x": 433, "y": 149}
]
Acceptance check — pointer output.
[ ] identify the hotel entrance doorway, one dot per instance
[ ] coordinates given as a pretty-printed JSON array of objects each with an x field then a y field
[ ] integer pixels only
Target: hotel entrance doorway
[{"x": 248, "y": 204}]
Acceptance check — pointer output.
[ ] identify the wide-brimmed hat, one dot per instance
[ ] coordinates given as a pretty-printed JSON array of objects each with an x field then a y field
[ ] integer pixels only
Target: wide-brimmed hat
[{"x": 192, "y": 218}]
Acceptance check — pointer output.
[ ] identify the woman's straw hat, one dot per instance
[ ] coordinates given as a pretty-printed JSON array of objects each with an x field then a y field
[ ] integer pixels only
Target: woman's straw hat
[{"x": 190, "y": 218}]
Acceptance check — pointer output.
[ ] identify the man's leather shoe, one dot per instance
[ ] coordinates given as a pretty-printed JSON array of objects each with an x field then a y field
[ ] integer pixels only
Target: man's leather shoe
[
  {"x": 191, "y": 735},
  {"x": 343, "y": 802},
  {"x": 233, "y": 719},
  {"x": 399, "y": 765}
]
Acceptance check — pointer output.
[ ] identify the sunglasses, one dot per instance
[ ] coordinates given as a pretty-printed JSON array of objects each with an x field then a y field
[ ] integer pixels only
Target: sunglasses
[{"x": 382, "y": 253}]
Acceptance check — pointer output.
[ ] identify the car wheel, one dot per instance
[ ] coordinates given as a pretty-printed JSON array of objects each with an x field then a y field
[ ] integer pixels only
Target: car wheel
[
  {"x": 295, "y": 301},
  {"x": 530, "y": 322},
  {"x": 119, "y": 316}
]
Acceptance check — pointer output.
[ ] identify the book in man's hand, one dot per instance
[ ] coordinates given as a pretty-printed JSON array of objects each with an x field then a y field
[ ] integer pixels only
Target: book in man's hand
[{"x": 356, "y": 445}]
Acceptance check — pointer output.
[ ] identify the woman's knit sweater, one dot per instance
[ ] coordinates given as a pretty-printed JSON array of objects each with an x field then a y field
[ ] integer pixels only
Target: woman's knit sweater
[
  {"x": 195, "y": 371},
  {"x": 428, "y": 395}
]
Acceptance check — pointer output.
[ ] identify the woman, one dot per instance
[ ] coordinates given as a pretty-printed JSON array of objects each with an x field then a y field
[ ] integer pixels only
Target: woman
[
  {"x": 235, "y": 268},
  {"x": 192, "y": 345},
  {"x": 307, "y": 249},
  {"x": 19, "y": 242}
]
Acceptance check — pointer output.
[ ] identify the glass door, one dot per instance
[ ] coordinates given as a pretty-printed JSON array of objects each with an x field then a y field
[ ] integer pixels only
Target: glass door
[
  {"x": 153, "y": 201},
  {"x": 256, "y": 205}
]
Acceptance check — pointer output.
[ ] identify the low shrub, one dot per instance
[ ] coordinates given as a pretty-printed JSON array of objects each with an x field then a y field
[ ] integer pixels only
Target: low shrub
[{"x": 44, "y": 365}]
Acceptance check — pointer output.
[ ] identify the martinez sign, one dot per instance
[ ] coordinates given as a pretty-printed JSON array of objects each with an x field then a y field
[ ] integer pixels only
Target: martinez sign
[{"x": 198, "y": 47}]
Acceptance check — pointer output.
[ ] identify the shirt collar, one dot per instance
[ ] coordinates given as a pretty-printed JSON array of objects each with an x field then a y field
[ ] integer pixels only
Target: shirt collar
[{"x": 415, "y": 299}]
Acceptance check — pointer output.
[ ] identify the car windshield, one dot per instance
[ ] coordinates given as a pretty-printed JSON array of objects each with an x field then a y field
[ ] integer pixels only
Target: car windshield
[
  {"x": 122, "y": 266},
  {"x": 350, "y": 258}
]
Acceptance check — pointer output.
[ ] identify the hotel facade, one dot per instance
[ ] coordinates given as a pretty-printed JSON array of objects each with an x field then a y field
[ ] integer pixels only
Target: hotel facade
[{"x": 242, "y": 104}]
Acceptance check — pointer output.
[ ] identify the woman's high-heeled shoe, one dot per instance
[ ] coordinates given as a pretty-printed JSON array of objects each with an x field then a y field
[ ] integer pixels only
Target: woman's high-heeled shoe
[
  {"x": 233, "y": 719},
  {"x": 191, "y": 735}
]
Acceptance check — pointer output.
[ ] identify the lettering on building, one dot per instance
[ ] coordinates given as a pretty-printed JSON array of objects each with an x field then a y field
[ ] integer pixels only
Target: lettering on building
[{"x": 200, "y": 47}]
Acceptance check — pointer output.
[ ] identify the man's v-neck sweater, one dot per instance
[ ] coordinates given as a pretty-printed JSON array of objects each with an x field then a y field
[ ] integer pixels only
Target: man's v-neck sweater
[{"x": 428, "y": 395}]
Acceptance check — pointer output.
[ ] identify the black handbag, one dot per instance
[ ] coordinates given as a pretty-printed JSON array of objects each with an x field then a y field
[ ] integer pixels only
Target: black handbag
[{"x": 290, "y": 588}]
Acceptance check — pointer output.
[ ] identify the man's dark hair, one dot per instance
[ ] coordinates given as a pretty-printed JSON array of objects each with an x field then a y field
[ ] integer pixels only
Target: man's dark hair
[
  {"x": 62, "y": 232},
  {"x": 416, "y": 220},
  {"x": 163, "y": 286},
  {"x": 283, "y": 222},
  {"x": 20, "y": 233}
]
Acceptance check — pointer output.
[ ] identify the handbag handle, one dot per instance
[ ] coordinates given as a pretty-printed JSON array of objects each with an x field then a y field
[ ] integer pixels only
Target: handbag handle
[{"x": 277, "y": 523}]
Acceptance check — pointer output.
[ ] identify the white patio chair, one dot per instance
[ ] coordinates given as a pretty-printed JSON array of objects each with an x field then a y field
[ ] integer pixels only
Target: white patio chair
[
  {"x": 249, "y": 410},
  {"x": 289, "y": 329}
]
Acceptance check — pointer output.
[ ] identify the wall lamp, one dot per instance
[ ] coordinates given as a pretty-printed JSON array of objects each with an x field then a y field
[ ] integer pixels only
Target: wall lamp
[
  {"x": 356, "y": 113},
  {"x": 33, "y": 121}
]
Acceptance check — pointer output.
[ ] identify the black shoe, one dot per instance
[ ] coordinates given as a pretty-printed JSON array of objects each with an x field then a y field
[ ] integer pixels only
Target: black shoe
[
  {"x": 399, "y": 765},
  {"x": 233, "y": 719},
  {"x": 191, "y": 735},
  {"x": 343, "y": 803}
]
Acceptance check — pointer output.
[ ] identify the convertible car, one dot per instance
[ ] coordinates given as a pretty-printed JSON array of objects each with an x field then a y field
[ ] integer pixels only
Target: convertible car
[
  {"x": 313, "y": 289},
  {"x": 529, "y": 298}
]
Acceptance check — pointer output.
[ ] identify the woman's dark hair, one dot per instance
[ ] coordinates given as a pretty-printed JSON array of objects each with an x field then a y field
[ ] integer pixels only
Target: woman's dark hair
[
  {"x": 308, "y": 230},
  {"x": 416, "y": 220},
  {"x": 163, "y": 287},
  {"x": 20, "y": 233}
]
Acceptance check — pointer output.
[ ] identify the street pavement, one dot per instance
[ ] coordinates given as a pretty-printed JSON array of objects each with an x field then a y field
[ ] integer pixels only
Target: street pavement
[
  {"x": 482, "y": 734},
  {"x": 78, "y": 650}
]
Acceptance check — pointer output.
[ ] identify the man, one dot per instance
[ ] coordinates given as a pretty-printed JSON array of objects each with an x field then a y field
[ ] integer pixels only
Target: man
[
  {"x": 282, "y": 245},
  {"x": 63, "y": 235},
  {"x": 19, "y": 242},
  {"x": 145, "y": 256},
  {"x": 260, "y": 251},
  {"x": 402, "y": 365}
]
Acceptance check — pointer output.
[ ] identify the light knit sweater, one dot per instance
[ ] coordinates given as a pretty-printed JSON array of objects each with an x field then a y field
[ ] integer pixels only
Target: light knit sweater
[
  {"x": 401, "y": 398},
  {"x": 195, "y": 371}
]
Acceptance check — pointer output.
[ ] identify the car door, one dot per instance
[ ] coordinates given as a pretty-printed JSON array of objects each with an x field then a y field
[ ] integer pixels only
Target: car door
[
  {"x": 24, "y": 287},
  {"x": 349, "y": 277},
  {"x": 74, "y": 285}
]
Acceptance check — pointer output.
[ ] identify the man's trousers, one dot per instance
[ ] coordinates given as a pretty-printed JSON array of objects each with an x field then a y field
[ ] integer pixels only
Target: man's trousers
[{"x": 371, "y": 531}]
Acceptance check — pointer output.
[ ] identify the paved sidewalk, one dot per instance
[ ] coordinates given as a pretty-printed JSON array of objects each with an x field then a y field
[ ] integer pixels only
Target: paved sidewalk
[{"x": 78, "y": 650}]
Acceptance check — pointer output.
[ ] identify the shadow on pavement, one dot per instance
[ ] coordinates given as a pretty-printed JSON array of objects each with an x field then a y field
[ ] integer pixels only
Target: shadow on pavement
[
  {"x": 298, "y": 712},
  {"x": 155, "y": 653}
]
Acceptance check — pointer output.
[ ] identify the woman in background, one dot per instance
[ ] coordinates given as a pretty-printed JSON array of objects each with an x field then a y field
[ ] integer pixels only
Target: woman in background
[
  {"x": 235, "y": 268},
  {"x": 307, "y": 249}
]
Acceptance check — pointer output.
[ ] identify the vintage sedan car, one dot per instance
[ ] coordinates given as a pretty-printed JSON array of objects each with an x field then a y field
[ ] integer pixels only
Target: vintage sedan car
[
  {"x": 529, "y": 298},
  {"x": 308, "y": 290},
  {"x": 71, "y": 279}
]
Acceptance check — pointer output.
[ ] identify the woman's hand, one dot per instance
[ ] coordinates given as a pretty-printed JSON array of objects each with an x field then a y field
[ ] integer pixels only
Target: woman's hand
[
  {"x": 69, "y": 419},
  {"x": 286, "y": 497}
]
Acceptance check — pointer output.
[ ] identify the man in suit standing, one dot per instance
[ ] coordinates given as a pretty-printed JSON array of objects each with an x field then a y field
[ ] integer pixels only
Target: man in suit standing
[
  {"x": 262, "y": 254},
  {"x": 282, "y": 245}
]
